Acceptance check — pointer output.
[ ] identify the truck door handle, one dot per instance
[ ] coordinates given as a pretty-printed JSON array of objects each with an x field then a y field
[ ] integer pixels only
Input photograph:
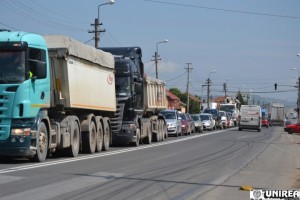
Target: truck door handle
[{"x": 42, "y": 95}]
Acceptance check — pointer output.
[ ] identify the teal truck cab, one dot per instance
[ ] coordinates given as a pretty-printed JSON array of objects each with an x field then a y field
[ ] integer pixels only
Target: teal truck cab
[{"x": 43, "y": 107}]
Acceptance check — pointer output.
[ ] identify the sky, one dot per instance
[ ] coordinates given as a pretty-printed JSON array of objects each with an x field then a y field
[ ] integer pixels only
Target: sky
[{"x": 252, "y": 44}]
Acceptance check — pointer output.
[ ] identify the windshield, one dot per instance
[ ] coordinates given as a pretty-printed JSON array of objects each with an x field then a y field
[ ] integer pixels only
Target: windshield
[
  {"x": 195, "y": 117},
  {"x": 204, "y": 117},
  {"x": 12, "y": 66},
  {"x": 227, "y": 108},
  {"x": 123, "y": 85},
  {"x": 183, "y": 116},
  {"x": 169, "y": 115}
]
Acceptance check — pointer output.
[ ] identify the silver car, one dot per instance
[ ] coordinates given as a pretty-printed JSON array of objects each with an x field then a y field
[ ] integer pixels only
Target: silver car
[
  {"x": 198, "y": 123},
  {"x": 173, "y": 122},
  {"x": 208, "y": 121}
]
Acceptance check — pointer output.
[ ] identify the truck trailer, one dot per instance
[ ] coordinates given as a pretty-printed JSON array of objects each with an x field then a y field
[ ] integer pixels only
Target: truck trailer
[
  {"x": 56, "y": 95},
  {"x": 139, "y": 100},
  {"x": 277, "y": 114}
]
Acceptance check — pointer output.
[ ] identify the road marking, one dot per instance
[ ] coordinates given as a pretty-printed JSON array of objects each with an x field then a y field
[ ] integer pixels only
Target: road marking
[
  {"x": 63, "y": 187},
  {"x": 102, "y": 154}
]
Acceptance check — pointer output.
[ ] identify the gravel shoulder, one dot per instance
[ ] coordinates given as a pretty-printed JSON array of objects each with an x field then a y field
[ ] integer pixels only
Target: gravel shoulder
[{"x": 277, "y": 167}]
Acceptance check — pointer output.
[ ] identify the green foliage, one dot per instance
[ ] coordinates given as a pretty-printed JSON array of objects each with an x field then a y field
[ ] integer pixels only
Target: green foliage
[
  {"x": 241, "y": 99},
  {"x": 194, "y": 107}
]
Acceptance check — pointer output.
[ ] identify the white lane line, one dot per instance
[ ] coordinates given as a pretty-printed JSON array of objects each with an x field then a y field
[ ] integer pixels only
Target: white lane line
[{"x": 38, "y": 165}]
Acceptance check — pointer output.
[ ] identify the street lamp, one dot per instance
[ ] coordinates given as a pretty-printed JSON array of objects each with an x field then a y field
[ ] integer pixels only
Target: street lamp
[
  {"x": 298, "y": 85},
  {"x": 156, "y": 56},
  {"x": 97, "y": 22},
  {"x": 208, "y": 87}
]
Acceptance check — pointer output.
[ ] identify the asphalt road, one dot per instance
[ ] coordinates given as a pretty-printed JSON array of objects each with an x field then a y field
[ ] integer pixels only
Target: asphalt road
[{"x": 209, "y": 165}]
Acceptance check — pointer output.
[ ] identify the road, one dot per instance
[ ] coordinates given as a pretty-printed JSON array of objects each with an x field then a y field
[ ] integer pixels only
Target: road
[{"x": 209, "y": 165}]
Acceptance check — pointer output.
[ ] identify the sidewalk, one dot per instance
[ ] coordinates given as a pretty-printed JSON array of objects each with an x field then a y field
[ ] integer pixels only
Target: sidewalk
[{"x": 275, "y": 168}]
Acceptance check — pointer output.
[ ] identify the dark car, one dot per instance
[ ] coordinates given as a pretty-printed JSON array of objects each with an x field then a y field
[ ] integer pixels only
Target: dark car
[{"x": 186, "y": 124}]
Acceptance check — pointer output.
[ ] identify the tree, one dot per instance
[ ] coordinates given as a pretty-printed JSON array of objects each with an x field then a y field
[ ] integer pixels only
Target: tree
[{"x": 240, "y": 98}]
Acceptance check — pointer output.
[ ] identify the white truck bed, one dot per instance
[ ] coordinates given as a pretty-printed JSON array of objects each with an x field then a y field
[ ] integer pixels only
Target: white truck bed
[
  {"x": 154, "y": 95},
  {"x": 84, "y": 76}
]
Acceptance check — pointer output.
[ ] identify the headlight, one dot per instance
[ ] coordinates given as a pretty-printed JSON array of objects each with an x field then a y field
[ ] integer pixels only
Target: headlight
[
  {"x": 172, "y": 125},
  {"x": 183, "y": 125},
  {"x": 20, "y": 132}
]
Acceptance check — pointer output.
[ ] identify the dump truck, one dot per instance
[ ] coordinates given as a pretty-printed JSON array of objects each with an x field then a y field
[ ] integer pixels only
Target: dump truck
[
  {"x": 277, "y": 114},
  {"x": 140, "y": 98},
  {"x": 56, "y": 95},
  {"x": 232, "y": 106}
]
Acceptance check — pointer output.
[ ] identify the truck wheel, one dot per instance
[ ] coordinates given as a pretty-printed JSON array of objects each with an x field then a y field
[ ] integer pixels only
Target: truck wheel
[
  {"x": 99, "y": 139},
  {"x": 73, "y": 150},
  {"x": 106, "y": 134},
  {"x": 42, "y": 144},
  {"x": 138, "y": 136},
  {"x": 162, "y": 130},
  {"x": 89, "y": 139},
  {"x": 290, "y": 131},
  {"x": 149, "y": 134}
]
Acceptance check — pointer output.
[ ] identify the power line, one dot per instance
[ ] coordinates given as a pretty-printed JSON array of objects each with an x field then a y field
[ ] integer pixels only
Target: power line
[{"x": 225, "y": 10}]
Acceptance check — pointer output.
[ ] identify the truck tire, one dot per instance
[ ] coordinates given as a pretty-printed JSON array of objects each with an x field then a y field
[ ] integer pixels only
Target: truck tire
[
  {"x": 138, "y": 137},
  {"x": 99, "y": 137},
  {"x": 42, "y": 144},
  {"x": 89, "y": 139},
  {"x": 73, "y": 150},
  {"x": 148, "y": 139},
  {"x": 106, "y": 134}
]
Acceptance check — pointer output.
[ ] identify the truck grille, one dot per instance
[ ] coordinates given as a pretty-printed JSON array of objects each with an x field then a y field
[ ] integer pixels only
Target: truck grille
[
  {"x": 4, "y": 116},
  {"x": 116, "y": 121}
]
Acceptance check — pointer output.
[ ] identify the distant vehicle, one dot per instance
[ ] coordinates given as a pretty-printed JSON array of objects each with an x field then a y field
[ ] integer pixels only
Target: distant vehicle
[
  {"x": 173, "y": 122},
  {"x": 230, "y": 120},
  {"x": 264, "y": 118},
  {"x": 250, "y": 117},
  {"x": 223, "y": 116},
  {"x": 208, "y": 121},
  {"x": 213, "y": 111},
  {"x": 185, "y": 124},
  {"x": 277, "y": 114},
  {"x": 292, "y": 128},
  {"x": 231, "y": 105},
  {"x": 191, "y": 123},
  {"x": 198, "y": 123}
]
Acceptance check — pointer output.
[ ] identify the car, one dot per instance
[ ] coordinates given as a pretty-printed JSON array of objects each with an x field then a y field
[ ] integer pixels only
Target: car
[
  {"x": 173, "y": 121},
  {"x": 286, "y": 124},
  {"x": 265, "y": 122},
  {"x": 198, "y": 123},
  {"x": 223, "y": 116},
  {"x": 191, "y": 123},
  {"x": 292, "y": 128},
  {"x": 186, "y": 124},
  {"x": 215, "y": 115},
  {"x": 230, "y": 119},
  {"x": 208, "y": 121}
]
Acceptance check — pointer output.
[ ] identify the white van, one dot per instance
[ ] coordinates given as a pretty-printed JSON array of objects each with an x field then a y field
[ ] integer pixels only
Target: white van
[{"x": 250, "y": 117}]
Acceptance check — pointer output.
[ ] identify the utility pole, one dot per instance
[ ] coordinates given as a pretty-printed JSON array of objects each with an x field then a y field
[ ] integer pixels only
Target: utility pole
[
  {"x": 208, "y": 92},
  {"x": 97, "y": 30},
  {"x": 298, "y": 100},
  {"x": 187, "y": 87},
  {"x": 225, "y": 89}
]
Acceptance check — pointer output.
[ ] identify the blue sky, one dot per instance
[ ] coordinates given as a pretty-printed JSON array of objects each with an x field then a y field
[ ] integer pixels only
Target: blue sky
[{"x": 252, "y": 43}]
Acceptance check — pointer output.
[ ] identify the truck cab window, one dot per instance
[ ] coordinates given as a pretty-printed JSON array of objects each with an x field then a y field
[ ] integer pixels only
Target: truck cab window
[
  {"x": 12, "y": 66},
  {"x": 35, "y": 56}
]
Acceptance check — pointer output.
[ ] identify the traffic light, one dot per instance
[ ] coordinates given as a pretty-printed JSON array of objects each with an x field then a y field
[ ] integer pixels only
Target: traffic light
[{"x": 275, "y": 85}]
